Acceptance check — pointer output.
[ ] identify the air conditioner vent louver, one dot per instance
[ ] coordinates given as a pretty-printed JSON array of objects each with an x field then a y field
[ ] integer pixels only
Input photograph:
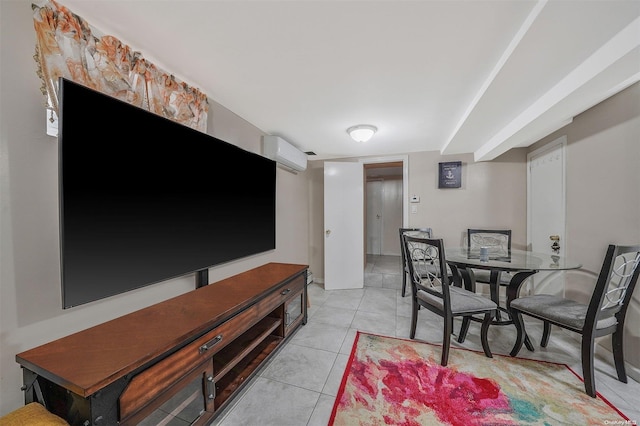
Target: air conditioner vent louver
[{"x": 276, "y": 148}]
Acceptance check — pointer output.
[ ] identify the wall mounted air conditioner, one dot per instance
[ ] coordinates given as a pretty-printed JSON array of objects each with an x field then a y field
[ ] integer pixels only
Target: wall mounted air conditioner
[{"x": 276, "y": 148}]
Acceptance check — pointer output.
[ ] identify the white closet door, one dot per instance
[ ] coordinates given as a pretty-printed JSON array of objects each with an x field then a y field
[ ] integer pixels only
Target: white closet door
[
  {"x": 546, "y": 215},
  {"x": 375, "y": 209}
]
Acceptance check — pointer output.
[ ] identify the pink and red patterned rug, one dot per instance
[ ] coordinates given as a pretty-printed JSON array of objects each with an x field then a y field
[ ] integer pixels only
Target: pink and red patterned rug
[{"x": 390, "y": 381}]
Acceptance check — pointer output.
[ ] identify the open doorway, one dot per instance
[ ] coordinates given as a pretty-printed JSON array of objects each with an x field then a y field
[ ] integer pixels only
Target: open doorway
[
  {"x": 383, "y": 207},
  {"x": 384, "y": 204}
]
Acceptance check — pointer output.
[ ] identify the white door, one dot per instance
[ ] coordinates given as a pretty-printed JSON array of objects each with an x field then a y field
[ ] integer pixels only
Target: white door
[
  {"x": 546, "y": 210},
  {"x": 374, "y": 217},
  {"x": 343, "y": 225},
  {"x": 392, "y": 216}
]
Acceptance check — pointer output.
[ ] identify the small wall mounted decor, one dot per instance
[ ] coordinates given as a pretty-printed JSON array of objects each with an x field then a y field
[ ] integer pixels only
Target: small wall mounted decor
[
  {"x": 67, "y": 46},
  {"x": 450, "y": 174}
]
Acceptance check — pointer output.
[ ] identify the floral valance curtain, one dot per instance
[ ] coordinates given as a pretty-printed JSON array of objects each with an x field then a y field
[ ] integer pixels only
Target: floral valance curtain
[{"x": 68, "y": 47}]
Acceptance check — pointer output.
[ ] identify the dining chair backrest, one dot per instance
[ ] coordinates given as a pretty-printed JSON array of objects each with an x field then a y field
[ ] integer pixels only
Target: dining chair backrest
[
  {"x": 428, "y": 266},
  {"x": 497, "y": 241},
  {"x": 415, "y": 232},
  {"x": 614, "y": 287}
]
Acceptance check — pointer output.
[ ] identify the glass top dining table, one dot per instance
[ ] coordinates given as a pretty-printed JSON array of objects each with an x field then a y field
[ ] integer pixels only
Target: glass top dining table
[
  {"x": 520, "y": 263},
  {"x": 513, "y": 260}
]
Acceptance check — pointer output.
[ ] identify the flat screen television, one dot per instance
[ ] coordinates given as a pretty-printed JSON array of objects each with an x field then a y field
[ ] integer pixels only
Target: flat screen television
[{"x": 144, "y": 199}]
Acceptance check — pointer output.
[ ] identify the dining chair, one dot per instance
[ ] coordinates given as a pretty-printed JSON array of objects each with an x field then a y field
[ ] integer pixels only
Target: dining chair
[
  {"x": 432, "y": 290},
  {"x": 415, "y": 232},
  {"x": 498, "y": 243},
  {"x": 604, "y": 315}
]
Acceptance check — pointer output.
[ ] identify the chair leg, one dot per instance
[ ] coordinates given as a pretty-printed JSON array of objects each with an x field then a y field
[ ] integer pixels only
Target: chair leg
[
  {"x": 414, "y": 318},
  {"x": 618, "y": 353},
  {"x": 488, "y": 319},
  {"x": 545, "y": 335},
  {"x": 527, "y": 342},
  {"x": 446, "y": 340},
  {"x": 587, "y": 366},
  {"x": 494, "y": 291},
  {"x": 519, "y": 323},
  {"x": 464, "y": 328}
]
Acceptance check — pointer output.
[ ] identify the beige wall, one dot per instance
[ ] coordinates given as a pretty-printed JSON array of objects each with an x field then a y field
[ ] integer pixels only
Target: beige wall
[
  {"x": 30, "y": 302},
  {"x": 493, "y": 195},
  {"x": 603, "y": 197}
]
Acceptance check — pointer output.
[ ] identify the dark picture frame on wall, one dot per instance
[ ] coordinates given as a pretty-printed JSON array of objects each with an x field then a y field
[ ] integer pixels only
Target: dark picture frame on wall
[{"x": 450, "y": 174}]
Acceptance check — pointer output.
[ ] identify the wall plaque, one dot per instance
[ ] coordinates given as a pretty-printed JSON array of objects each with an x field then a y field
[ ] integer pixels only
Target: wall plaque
[{"x": 450, "y": 174}]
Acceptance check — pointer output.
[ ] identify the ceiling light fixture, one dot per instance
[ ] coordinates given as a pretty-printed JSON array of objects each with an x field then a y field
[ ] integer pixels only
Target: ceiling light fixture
[{"x": 362, "y": 132}]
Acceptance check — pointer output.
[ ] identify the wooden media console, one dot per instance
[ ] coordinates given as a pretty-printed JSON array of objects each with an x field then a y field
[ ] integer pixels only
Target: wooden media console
[{"x": 185, "y": 357}]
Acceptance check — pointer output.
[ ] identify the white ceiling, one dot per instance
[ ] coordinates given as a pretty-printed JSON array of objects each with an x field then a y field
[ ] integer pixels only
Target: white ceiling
[{"x": 474, "y": 76}]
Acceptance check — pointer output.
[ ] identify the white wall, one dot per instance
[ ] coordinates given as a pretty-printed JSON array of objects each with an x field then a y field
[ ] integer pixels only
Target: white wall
[{"x": 30, "y": 301}]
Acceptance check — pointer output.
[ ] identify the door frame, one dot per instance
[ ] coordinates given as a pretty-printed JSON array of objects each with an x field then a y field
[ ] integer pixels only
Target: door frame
[{"x": 405, "y": 191}]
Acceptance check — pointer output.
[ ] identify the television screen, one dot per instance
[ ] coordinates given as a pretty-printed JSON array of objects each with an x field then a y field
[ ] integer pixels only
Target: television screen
[{"x": 144, "y": 199}]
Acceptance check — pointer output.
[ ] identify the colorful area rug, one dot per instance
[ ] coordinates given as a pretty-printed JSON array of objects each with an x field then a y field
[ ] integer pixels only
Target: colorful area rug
[{"x": 390, "y": 381}]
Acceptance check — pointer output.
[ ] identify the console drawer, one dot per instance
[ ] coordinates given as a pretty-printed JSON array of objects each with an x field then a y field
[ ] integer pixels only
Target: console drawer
[{"x": 277, "y": 298}]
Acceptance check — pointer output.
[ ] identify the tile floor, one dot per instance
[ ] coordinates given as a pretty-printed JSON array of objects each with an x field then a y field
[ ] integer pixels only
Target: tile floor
[{"x": 298, "y": 386}]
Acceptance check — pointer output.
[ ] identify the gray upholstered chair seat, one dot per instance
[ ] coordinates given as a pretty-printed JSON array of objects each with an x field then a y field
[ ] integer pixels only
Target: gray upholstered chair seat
[
  {"x": 558, "y": 310},
  {"x": 462, "y": 301}
]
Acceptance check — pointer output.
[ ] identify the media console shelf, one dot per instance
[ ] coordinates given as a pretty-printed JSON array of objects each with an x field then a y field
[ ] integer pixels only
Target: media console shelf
[{"x": 186, "y": 357}]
